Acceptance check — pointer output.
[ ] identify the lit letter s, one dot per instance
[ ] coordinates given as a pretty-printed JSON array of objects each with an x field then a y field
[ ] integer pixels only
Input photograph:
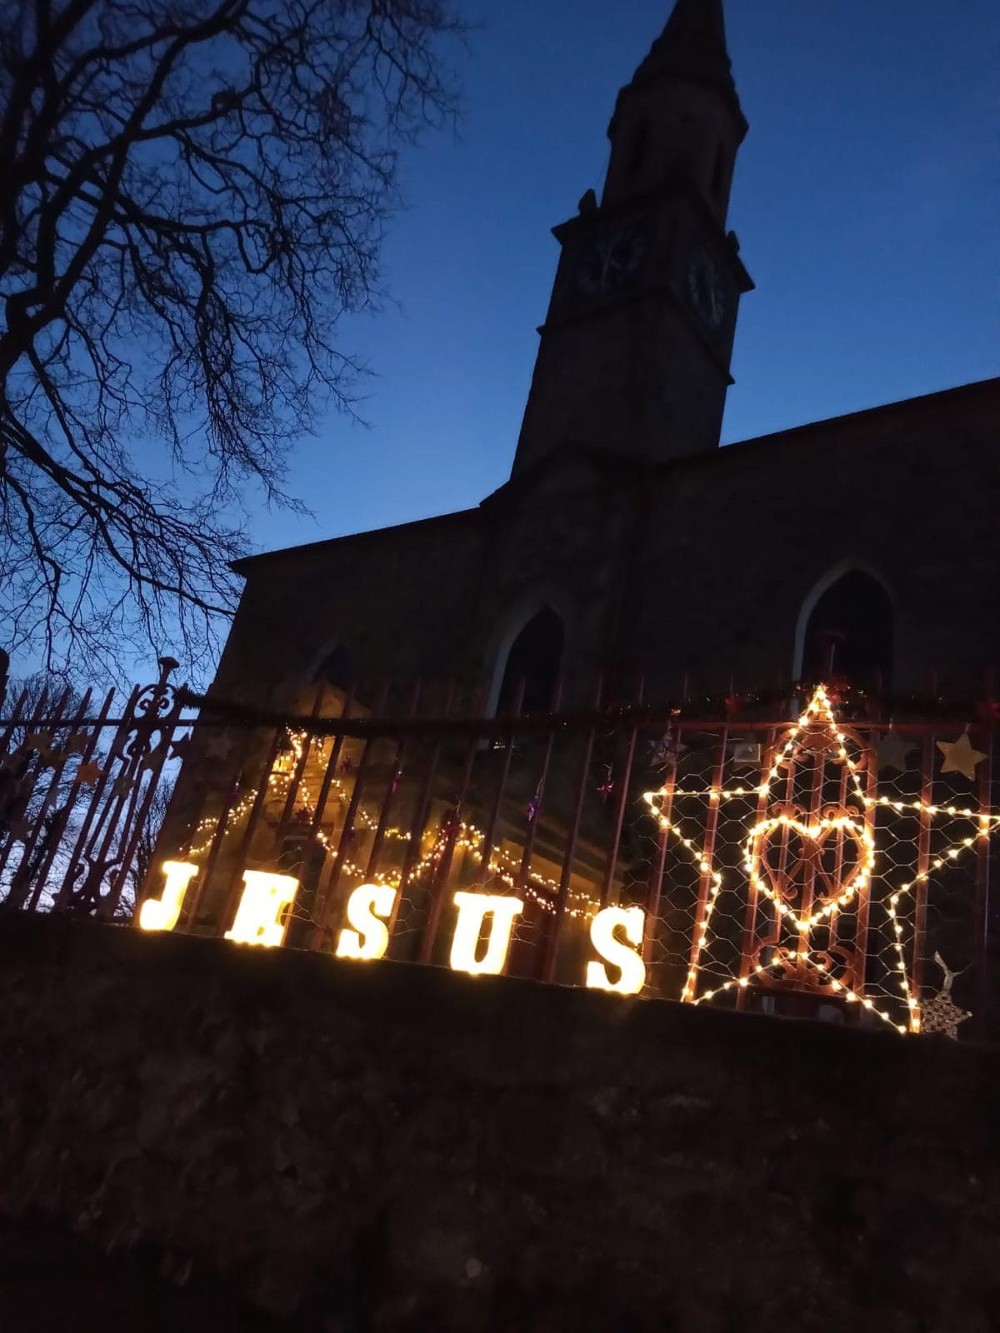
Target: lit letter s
[
  {"x": 367, "y": 908},
  {"x": 632, "y": 922}
]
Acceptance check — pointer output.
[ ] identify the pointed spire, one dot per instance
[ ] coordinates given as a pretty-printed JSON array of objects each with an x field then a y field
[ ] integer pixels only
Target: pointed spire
[
  {"x": 701, "y": 16},
  {"x": 693, "y": 46}
]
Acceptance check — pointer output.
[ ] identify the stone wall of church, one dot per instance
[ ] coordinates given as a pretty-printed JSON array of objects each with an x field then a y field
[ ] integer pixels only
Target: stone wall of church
[
  {"x": 397, "y": 599},
  {"x": 403, "y": 1148},
  {"x": 735, "y": 542},
  {"x": 699, "y": 569}
]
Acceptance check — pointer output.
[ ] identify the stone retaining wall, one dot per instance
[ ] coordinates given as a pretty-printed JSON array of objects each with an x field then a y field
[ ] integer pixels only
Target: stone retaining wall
[{"x": 393, "y": 1147}]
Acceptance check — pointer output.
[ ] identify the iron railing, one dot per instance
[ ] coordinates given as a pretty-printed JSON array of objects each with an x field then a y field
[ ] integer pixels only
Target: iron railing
[{"x": 834, "y": 871}]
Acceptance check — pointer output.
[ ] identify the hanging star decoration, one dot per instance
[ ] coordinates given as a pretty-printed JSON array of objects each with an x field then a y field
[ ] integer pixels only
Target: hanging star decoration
[
  {"x": 41, "y": 743},
  {"x": 813, "y": 875},
  {"x": 940, "y": 1013},
  {"x": 155, "y": 757},
  {"x": 180, "y": 747},
  {"x": 744, "y": 754},
  {"x": 15, "y": 792},
  {"x": 88, "y": 774},
  {"x": 534, "y": 803},
  {"x": 666, "y": 751},
  {"x": 892, "y": 749},
  {"x": 959, "y": 756}
]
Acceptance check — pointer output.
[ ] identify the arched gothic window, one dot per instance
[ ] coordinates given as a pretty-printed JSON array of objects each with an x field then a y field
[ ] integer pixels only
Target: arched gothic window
[
  {"x": 850, "y": 633},
  {"x": 535, "y": 657}
]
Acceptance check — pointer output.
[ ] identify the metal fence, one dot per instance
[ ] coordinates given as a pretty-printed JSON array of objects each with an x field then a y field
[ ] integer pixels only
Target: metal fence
[
  {"x": 786, "y": 856},
  {"x": 83, "y": 785}
]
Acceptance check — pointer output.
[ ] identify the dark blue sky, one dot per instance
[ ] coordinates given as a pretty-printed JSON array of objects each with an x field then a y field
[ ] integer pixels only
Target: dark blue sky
[{"x": 866, "y": 201}]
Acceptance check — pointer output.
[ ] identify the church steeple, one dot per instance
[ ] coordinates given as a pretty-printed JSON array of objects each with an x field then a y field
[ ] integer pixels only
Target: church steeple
[
  {"x": 635, "y": 349},
  {"x": 680, "y": 114},
  {"x": 693, "y": 46}
]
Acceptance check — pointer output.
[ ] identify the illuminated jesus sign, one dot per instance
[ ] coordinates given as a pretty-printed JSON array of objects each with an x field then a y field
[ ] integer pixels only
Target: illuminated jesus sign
[{"x": 480, "y": 938}]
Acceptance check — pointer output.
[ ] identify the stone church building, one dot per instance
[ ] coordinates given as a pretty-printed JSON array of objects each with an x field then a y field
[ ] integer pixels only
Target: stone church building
[{"x": 626, "y": 541}]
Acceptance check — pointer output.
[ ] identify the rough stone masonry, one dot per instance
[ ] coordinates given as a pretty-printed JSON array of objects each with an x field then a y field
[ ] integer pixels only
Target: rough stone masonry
[{"x": 240, "y": 1138}]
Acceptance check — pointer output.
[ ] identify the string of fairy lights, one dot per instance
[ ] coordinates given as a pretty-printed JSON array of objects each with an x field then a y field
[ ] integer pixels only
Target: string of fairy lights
[
  {"x": 465, "y": 837},
  {"x": 817, "y": 722},
  {"x": 818, "y": 714}
]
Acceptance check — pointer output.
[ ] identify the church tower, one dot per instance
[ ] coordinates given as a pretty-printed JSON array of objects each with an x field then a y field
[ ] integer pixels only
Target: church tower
[{"x": 635, "y": 349}]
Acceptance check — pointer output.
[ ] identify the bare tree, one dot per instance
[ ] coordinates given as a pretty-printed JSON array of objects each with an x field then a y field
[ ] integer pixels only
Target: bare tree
[
  {"x": 33, "y": 795},
  {"x": 192, "y": 192}
]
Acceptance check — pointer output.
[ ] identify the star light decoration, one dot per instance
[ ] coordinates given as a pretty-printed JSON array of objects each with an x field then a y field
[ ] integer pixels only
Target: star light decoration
[{"x": 852, "y": 825}]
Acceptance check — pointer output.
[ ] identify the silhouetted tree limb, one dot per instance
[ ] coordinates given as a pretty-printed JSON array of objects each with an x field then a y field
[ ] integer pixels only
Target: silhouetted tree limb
[{"x": 193, "y": 192}]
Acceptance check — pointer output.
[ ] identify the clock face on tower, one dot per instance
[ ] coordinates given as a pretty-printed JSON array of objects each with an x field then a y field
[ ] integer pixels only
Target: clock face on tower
[
  {"x": 610, "y": 264},
  {"x": 707, "y": 289}
]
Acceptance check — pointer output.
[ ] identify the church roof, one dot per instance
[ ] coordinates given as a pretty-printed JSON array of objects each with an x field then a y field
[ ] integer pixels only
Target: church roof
[
  {"x": 693, "y": 46},
  {"x": 944, "y": 414},
  {"x": 429, "y": 527}
]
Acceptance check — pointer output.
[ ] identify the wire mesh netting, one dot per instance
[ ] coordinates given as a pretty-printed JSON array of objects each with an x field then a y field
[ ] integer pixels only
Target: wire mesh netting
[
  {"x": 814, "y": 871},
  {"x": 803, "y": 868},
  {"x": 818, "y": 867}
]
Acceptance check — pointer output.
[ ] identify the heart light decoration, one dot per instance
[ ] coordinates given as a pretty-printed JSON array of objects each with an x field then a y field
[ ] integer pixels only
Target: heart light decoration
[
  {"x": 845, "y": 876},
  {"x": 836, "y": 822}
]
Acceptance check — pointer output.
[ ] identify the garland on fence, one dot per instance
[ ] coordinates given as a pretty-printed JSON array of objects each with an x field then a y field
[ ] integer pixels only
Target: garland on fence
[
  {"x": 852, "y": 702},
  {"x": 461, "y": 835}
]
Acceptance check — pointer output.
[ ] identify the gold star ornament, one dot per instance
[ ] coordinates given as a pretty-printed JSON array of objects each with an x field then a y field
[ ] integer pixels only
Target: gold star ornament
[
  {"x": 960, "y": 756},
  {"x": 892, "y": 749},
  {"x": 87, "y": 774},
  {"x": 940, "y": 1014}
]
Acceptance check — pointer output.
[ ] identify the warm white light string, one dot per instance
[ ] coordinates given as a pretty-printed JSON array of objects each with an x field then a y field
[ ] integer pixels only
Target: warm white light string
[
  {"x": 819, "y": 710},
  {"x": 505, "y": 867},
  {"x": 502, "y": 865}
]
